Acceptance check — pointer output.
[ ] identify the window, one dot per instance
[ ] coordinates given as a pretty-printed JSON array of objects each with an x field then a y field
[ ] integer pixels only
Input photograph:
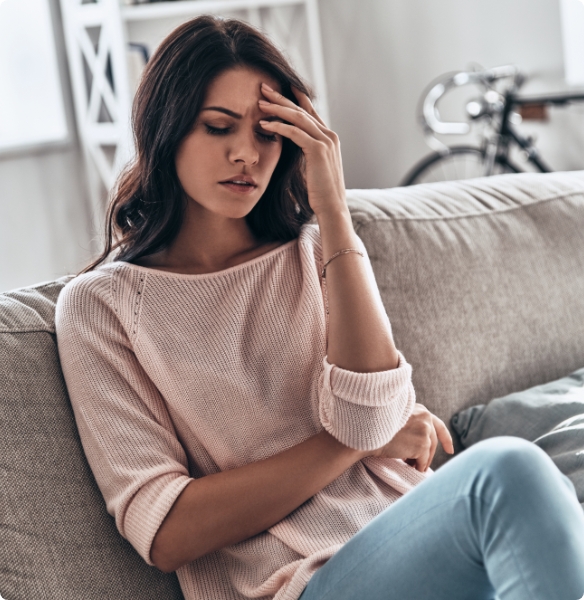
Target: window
[
  {"x": 572, "y": 12},
  {"x": 31, "y": 101}
]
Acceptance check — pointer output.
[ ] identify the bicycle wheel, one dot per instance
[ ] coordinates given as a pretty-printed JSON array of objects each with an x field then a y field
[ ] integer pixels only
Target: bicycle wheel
[{"x": 462, "y": 162}]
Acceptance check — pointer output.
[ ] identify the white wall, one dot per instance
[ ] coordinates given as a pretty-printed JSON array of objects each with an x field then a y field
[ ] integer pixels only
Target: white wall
[
  {"x": 379, "y": 56},
  {"x": 43, "y": 231}
]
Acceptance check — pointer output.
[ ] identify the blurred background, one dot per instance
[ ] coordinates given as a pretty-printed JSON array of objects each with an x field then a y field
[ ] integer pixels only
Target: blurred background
[{"x": 68, "y": 70}]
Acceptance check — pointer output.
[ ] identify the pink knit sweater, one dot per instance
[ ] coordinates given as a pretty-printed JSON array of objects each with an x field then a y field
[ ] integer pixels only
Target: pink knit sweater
[{"x": 173, "y": 377}]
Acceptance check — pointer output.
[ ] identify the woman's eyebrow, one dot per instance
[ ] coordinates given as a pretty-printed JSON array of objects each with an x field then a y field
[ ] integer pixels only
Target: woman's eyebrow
[
  {"x": 234, "y": 114},
  {"x": 223, "y": 110}
]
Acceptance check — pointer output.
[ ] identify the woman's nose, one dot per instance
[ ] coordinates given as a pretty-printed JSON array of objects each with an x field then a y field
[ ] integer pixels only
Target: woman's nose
[{"x": 244, "y": 149}]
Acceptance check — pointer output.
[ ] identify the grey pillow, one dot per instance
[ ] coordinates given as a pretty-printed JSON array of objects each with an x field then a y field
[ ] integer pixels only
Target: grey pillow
[
  {"x": 549, "y": 415},
  {"x": 56, "y": 538}
]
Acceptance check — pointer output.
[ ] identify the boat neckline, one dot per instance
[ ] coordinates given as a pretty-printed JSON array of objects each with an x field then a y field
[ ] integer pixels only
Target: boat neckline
[{"x": 227, "y": 271}]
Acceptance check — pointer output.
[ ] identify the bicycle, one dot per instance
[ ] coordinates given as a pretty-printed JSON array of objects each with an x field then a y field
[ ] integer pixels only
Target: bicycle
[{"x": 499, "y": 111}]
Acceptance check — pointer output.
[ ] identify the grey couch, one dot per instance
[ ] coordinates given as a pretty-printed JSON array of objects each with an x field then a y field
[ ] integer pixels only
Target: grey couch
[{"x": 483, "y": 282}]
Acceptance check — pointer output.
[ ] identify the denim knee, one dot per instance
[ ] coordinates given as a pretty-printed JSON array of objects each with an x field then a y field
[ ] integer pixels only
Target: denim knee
[
  {"x": 508, "y": 450},
  {"x": 510, "y": 458},
  {"x": 502, "y": 444}
]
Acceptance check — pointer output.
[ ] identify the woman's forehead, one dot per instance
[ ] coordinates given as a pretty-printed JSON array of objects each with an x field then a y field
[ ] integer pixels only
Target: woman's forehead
[{"x": 239, "y": 83}]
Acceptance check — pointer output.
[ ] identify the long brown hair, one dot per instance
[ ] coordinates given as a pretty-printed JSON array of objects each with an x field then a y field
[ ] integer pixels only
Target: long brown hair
[{"x": 147, "y": 203}]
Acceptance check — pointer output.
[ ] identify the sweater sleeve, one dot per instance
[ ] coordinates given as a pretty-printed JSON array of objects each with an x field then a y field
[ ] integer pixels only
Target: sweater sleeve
[
  {"x": 125, "y": 429},
  {"x": 365, "y": 410}
]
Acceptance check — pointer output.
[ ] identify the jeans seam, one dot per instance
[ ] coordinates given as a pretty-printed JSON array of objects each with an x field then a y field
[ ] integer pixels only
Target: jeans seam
[{"x": 512, "y": 552}]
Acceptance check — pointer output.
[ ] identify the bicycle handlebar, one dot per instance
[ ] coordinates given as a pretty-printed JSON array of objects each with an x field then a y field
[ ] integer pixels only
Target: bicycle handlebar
[{"x": 430, "y": 110}]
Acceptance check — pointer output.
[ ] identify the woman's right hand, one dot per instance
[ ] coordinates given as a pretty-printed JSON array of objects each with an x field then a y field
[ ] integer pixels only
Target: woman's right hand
[{"x": 417, "y": 440}]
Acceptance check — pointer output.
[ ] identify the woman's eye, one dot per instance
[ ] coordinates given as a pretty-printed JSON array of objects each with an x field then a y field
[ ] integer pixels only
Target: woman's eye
[
  {"x": 217, "y": 130},
  {"x": 267, "y": 137}
]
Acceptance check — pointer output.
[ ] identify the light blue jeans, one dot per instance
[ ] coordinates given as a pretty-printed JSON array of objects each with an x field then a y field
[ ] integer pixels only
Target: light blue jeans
[{"x": 498, "y": 520}]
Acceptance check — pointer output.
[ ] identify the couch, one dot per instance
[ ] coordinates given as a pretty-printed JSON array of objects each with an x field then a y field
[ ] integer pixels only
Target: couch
[{"x": 483, "y": 281}]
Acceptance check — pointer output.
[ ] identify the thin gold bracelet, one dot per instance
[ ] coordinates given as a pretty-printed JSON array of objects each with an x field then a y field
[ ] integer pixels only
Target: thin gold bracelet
[{"x": 323, "y": 274}]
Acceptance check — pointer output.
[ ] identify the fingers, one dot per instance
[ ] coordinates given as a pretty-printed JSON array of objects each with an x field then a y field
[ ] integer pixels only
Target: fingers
[
  {"x": 296, "y": 134},
  {"x": 443, "y": 435},
  {"x": 298, "y": 115},
  {"x": 433, "y": 446},
  {"x": 417, "y": 463},
  {"x": 438, "y": 432},
  {"x": 306, "y": 104},
  {"x": 303, "y": 101},
  {"x": 292, "y": 115},
  {"x": 418, "y": 440}
]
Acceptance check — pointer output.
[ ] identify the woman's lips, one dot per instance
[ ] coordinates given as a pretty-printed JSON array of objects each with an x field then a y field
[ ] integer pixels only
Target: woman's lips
[{"x": 238, "y": 187}]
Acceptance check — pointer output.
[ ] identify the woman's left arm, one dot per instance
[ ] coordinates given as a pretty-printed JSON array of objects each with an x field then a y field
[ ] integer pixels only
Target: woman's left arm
[
  {"x": 365, "y": 390},
  {"x": 360, "y": 336}
]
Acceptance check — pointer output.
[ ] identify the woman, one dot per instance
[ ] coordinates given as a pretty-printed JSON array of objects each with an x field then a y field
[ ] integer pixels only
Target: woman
[{"x": 234, "y": 379}]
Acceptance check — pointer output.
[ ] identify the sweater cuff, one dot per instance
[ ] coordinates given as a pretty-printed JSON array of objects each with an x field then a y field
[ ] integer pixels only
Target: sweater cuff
[
  {"x": 365, "y": 410},
  {"x": 366, "y": 389},
  {"x": 148, "y": 510}
]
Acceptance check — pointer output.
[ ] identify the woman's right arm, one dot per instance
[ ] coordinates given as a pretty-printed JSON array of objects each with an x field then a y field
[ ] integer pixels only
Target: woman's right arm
[{"x": 228, "y": 507}]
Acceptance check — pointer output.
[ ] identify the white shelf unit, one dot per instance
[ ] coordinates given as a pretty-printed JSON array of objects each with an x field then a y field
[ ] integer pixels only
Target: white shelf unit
[{"x": 97, "y": 37}]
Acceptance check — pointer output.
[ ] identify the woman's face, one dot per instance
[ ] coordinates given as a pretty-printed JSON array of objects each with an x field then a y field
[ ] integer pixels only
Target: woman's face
[{"x": 227, "y": 142}]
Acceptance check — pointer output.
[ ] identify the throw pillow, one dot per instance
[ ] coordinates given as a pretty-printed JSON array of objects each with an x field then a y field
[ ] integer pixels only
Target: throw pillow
[{"x": 550, "y": 415}]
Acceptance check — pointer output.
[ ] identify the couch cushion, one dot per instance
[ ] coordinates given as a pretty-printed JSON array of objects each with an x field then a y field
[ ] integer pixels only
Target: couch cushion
[
  {"x": 483, "y": 282},
  {"x": 58, "y": 541}
]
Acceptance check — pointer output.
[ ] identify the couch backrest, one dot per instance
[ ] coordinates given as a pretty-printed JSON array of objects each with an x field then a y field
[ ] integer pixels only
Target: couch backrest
[
  {"x": 482, "y": 280},
  {"x": 56, "y": 538}
]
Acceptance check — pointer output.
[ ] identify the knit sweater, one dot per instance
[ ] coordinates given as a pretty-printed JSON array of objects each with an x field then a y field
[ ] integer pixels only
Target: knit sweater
[{"x": 173, "y": 377}]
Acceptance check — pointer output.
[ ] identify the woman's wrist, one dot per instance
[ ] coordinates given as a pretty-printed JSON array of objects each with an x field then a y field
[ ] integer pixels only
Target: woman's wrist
[
  {"x": 342, "y": 215},
  {"x": 336, "y": 232},
  {"x": 353, "y": 453}
]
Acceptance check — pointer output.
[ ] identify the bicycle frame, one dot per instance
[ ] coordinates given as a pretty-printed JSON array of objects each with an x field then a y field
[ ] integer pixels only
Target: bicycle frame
[
  {"x": 504, "y": 136},
  {"x": 506, "y": 131}
]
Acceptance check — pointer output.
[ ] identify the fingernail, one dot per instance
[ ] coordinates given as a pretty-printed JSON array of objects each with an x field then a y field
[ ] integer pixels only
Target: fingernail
[
  {"x": 263, "y": 102},
  {"x": 267, "y": 87}
]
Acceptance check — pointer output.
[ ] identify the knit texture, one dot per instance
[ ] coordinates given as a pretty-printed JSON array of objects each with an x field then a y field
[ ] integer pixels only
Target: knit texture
[{"x": 173, "y": 377}]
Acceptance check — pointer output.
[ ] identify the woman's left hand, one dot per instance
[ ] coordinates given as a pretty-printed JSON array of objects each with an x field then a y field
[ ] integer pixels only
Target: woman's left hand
[{"x": 321, "y": 146}]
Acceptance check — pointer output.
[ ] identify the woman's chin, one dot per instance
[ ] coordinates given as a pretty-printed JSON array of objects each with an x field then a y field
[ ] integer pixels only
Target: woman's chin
[
  {"x": 233, "y": 206},
  {"x": 236, "y": 210}
]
